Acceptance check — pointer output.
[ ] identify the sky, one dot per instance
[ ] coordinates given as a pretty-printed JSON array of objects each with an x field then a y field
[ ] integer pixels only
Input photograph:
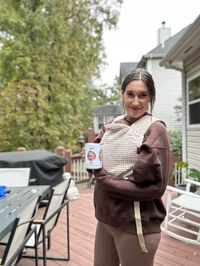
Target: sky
[{"x": 136, "y": 33}]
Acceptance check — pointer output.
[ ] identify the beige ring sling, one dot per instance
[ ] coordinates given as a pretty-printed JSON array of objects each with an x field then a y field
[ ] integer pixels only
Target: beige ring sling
[{"x": 120, "y": 143}]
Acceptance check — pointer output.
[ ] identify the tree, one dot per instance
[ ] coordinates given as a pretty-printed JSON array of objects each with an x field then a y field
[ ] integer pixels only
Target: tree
[
  {"x": 98, "y": 95},
  {"x": 50, "y": 51}
]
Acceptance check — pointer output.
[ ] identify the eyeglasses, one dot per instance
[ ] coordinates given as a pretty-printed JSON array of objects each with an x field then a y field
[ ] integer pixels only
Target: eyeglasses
[{"x": 141, "y": 96}]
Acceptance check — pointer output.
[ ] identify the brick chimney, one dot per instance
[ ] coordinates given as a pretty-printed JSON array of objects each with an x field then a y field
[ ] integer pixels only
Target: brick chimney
[{"x": 163, "y": 34}]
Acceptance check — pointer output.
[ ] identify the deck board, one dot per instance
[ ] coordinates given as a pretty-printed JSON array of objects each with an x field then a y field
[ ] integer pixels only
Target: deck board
[{"x": 171, "y": 252}]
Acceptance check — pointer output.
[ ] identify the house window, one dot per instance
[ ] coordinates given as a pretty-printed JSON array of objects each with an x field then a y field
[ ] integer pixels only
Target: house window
[
  {"x": 101, "y": 120},
  {"x": 194, "y": 101}
]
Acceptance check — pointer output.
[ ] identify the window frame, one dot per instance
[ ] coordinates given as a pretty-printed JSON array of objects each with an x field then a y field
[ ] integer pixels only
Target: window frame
[
  {"x": 105, "y": 119},
  {"x": 191, "y": 102},
  {"x": 102, "y": 122}
]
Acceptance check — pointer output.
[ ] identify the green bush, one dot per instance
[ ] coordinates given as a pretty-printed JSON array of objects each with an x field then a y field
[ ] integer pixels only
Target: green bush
[
  {"x": 194, "y": 173},
  {"x": 175, "y": 137}
]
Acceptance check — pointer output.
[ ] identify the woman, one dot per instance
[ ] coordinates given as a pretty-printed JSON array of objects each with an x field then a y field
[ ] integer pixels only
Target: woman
[{"x": 129, "y": 187}]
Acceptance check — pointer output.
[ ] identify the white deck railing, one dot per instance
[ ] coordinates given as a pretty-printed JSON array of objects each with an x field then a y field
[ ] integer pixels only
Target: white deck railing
[
  {"x": 78, "y": 171},
  {"x": 180, "y": 174}
]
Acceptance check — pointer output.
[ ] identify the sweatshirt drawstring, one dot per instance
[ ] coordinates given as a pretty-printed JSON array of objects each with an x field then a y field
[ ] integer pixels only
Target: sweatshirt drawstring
[{"x": 138, "y": 223}]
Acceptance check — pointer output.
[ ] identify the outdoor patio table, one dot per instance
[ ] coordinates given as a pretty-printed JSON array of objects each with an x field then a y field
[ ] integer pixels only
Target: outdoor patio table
[{"x": 15, "y": 201}]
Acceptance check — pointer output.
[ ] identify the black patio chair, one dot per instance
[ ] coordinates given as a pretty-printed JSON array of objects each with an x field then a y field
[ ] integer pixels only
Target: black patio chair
[
  {"x": 21, "y": 232},
  {"x": 46, "y": 225}
]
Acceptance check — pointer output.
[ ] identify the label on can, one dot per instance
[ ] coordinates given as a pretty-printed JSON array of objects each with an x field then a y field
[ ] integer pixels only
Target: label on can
[{"x": 93, "y": 153}]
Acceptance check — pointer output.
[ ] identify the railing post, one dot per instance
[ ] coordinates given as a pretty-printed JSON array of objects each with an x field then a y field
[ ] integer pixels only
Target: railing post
[
  {"x": 75, "y": 163},
  {"x": 90, "y": 135},
  {"x": 61, "y": 151},
  {"x": 68, "y": 155}
]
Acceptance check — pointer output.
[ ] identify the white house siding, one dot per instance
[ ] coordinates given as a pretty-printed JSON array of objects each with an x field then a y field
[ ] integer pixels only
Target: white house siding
[
  {"x": 168, "y": 91},
  {"x": 192, "y": 67},
  {"x": 193, "y": 147}
]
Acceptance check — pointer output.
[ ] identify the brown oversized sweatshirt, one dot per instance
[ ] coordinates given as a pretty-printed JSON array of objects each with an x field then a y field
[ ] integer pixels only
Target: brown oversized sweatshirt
[{"x": 114, "y": 195}]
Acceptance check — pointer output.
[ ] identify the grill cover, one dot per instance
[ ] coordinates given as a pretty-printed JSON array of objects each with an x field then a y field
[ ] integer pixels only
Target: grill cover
[{"x": 46, "y": 167}]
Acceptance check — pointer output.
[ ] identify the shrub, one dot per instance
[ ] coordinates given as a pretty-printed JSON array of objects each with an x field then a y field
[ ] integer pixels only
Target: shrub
[{"x": 175, "y": 137}]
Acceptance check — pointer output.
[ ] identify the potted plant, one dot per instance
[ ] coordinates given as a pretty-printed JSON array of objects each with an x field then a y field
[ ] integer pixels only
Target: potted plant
[{"x": 194, "y": 174}]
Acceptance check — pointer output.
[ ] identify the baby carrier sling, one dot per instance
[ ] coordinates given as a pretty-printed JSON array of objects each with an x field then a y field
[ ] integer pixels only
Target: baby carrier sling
[{"x": 120, "y": 152}]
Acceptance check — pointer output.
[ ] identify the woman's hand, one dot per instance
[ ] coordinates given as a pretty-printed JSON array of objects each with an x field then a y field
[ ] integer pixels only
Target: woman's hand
[{"x": 96, "y": 172}]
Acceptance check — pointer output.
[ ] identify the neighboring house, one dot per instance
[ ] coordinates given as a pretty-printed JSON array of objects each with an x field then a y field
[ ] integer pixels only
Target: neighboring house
[
  {"x": 103, "y": 113},
  {"x": 167, "y": 81},
  {"x": 184, "y": 58},
  {"x": 125, "y": 68}
]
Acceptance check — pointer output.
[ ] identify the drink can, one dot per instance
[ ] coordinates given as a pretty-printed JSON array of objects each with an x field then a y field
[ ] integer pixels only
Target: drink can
[{"x": 93, "y": 153}]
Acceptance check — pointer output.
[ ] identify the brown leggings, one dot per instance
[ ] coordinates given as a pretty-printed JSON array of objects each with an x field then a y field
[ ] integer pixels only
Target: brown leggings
[{"x": 113, "y": 246}]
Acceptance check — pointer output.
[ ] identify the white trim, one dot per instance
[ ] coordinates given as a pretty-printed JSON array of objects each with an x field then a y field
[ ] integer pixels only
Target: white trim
[
  {"x": 192, "y": 77},
  {"x": 184, "y": 122}
]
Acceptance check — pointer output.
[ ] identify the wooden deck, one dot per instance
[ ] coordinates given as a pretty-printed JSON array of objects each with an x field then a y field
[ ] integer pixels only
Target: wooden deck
[{"x": 171, "y": 252}]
